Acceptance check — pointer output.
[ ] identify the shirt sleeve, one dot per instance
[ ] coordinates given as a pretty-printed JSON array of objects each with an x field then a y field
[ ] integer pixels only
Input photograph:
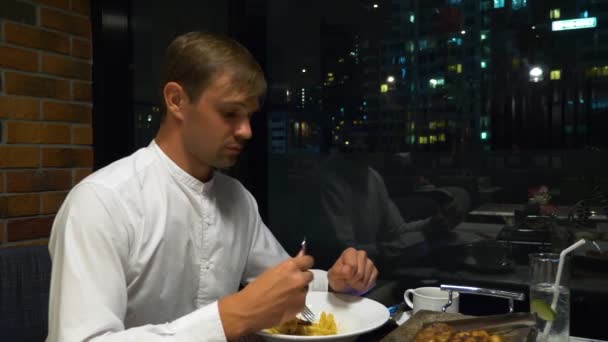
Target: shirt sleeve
[
  {"x": 89, "y": 248},
  {"x": 267, "y": 252}
]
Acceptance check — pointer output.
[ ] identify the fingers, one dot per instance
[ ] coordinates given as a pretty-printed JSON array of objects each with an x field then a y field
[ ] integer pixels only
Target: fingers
[
  {"x": 349, "y": 261},
  {"x": 301, "y": 265},
  {"x": 372, "y": 279},
  {"x": 369, "y": 272},
  {"x": 302, "y": 262}
]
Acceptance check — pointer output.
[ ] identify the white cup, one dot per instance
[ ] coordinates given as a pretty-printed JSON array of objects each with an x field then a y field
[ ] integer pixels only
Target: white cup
[{"x": 431, "y": 298}]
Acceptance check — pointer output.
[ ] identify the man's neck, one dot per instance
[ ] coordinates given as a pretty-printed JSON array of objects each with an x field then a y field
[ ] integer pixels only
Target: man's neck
[{"x": 169, "y": 141}]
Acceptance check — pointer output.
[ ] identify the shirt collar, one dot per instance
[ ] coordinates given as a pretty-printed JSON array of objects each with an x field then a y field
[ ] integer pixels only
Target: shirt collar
[{"x": 181, "y": 175}]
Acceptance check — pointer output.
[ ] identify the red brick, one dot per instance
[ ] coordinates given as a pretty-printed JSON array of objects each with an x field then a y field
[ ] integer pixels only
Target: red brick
[
  {"x": 67, "y": 157},
  {"x": 20, "y": 84},
  {"x": 63, "y": 4},
  {"x": 81, "y": 48},
  {"x": 51, "y": 201},
  {"x": 12, "y": 107},
  {"x": 80, "y": 174},
  {"x": 19, "y": 59},
  {"x": 64, "y": 22},
  {"x": 37, "y": 133},
  {"x": 82, "y": 91},
  {"x": 19, "y": 157},
  {"x": 57, "y": 111},
  {"x": 82, "y": 135},
  {"x": 66, "y": 67},
  {"x": 30, "y": 228},
  {"x": 36, "y": 38},
  {"x": 1, "y": 189},
  {"x": 19, "y": 205},
  {"x": 81, "y": 6},
  {"x": 38, "y": 180}
]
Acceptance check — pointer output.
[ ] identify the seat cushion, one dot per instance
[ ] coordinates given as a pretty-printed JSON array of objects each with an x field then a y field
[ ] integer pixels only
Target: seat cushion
[{"x": 25, "y": 275}]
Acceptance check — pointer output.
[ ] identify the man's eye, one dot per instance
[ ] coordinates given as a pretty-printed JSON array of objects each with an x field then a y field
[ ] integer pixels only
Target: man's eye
[{"x": 230, "y": 115}]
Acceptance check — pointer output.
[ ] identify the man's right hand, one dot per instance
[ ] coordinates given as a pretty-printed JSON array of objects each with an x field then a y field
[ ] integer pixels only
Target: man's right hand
[{"x": 274, "y": 297}]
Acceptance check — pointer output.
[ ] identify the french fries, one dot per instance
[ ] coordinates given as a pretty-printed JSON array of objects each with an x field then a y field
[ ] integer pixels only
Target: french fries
[{"x": 325, "y": 326}]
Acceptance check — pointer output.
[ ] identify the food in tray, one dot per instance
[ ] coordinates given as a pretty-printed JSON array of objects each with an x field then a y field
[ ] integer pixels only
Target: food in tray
[
  {"x": 441, "y": 332},
  {"x": 325, "y": 326}
]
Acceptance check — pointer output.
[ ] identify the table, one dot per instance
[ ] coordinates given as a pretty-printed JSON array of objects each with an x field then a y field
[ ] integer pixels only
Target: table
[{"x": 506, "y": 211}]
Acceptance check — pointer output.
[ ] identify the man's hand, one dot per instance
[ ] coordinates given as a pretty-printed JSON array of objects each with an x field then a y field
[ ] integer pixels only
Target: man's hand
[
  {"x": 274, "y": 297},
  {"x": 352, "y": 271}
]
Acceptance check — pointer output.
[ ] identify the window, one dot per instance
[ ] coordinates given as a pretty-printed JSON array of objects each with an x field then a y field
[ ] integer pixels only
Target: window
[
  {"x": 555, "y": 13},
  {"x": 496, "y": 91},
  {"x": 518, "y": 4}
]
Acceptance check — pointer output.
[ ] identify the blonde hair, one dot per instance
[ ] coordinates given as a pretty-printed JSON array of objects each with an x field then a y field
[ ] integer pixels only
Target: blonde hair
[{"x": 193, "y": 60}]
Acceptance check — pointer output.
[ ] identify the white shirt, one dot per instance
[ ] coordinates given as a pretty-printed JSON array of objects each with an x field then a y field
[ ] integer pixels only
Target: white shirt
[{"x": 142, "y": 251}]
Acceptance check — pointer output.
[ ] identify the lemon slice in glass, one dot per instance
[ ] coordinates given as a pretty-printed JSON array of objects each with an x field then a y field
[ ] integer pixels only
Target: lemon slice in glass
[{"x": 542, "y": 309}]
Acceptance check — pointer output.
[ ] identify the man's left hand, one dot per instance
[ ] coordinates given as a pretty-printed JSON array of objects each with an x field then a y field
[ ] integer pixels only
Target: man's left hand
[{"x": 352, "y": 271}]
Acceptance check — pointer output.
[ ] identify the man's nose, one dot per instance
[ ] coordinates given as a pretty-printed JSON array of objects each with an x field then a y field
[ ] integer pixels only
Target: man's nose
[{"x": 243, "y": 130}]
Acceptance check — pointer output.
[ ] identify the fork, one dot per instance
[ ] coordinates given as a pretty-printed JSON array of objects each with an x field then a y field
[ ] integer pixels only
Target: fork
[{"x": 306, "y": 312}]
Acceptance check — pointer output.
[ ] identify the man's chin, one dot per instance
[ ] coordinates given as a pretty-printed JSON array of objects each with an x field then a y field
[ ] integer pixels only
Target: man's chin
[{"x": 226, "y": 163}]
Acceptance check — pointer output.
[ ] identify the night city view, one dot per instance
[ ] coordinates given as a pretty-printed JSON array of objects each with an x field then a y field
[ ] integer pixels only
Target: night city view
[{"x": 376, "y": 106}]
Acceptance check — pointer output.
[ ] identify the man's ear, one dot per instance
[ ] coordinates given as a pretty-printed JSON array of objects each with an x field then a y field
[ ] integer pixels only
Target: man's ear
[{"x": 175, "y": 100}]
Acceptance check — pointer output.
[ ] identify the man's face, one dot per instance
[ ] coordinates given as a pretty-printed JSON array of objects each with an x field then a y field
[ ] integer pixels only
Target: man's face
[{"x": 216, "y": 127}]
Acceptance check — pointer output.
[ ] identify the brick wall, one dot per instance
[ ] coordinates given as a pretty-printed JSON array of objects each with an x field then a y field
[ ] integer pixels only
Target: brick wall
[{"x": 45, "y": 112}]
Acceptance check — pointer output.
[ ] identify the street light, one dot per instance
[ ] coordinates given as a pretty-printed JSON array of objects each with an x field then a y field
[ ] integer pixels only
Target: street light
[
  {"x": 390, "y": 79},
  {"x": 536, "y": 74}
]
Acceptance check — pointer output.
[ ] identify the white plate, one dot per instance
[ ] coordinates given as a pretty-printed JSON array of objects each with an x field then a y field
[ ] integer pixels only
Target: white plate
[{"x": 354, "y": 316}]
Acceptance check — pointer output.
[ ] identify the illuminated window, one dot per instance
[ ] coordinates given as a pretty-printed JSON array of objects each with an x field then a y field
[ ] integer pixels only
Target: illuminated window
[
  {"x": 515, "y": 63},
  {"x": 459, "y": 68},
  {"x": 556, "y": 75},
  {"x": 484, "y": 135},
  {"x": 412, "y": 18},
  {"x": 441, "y": 124},
  {"x": 384, "y": 88},
  {"x": 432, "y": 125},
  {"x": 455, "y": 41},
  {"x": 555, "y": 13},
  {"x": 433, "y": 139},
  {"x": 436, "y": 82},
  {"x": 484, "y": 64},
  {"x": 442, "y": 137},
  {"x": 517, "y": 4},
  {"x": 410, "y": 47},
  {"x": 499, "y": 3},
  {"x": 412, "y": 139},
  {"x": 423, "y": 140}
]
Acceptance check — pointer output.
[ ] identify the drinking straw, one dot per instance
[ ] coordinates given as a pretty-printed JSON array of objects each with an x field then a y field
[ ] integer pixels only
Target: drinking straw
[{"x": 558, "y": 278}]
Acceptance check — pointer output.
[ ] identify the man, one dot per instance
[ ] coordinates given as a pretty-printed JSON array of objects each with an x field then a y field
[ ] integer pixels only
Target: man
[
  {"x": 355, "y": 210},
  {"x": 155, "y": 246}
]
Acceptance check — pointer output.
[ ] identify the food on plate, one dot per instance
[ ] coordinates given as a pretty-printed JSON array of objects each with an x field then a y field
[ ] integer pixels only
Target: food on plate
[
  {"x": 441, "y": 332},
  {"x": 325, "y": 326}
]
